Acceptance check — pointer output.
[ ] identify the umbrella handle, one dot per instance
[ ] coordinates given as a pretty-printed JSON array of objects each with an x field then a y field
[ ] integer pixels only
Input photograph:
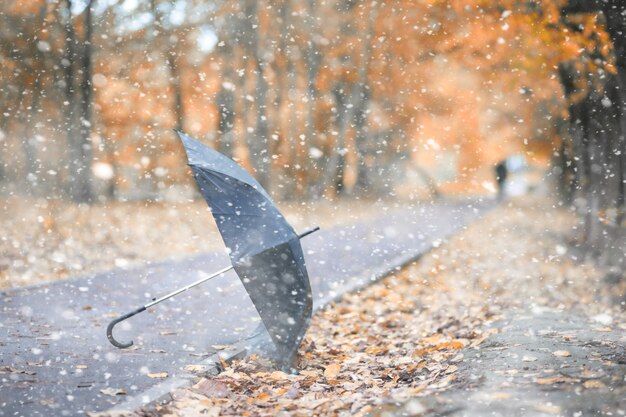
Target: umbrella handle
[{"x": 111, "y": 325}]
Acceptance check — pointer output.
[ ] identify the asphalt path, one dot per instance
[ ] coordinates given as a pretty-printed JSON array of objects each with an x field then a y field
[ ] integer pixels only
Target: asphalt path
[{"x": 56, "y": 360}]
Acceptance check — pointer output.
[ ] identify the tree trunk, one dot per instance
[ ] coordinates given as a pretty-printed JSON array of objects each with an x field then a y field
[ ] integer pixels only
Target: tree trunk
[
  {"x": 333, "y": 174},
  {"x": 174, "y": 70},
  {"x": 31, "y": 164},
  {"x": 226, "y": 119},
  {"x": 258, "y": 143},
  {"x": 79, "y": 145},
  {"x": 363, "y": 97}
]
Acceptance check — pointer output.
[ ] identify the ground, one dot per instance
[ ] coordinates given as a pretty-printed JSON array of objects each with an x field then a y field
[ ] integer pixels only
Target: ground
[
  {"x": 506, "y": 309},
  {"x": 47, "y": 240}
]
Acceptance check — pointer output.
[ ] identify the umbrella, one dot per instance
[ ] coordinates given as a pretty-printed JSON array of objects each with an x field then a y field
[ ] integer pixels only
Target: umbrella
[{"x": 264, "y": 249}]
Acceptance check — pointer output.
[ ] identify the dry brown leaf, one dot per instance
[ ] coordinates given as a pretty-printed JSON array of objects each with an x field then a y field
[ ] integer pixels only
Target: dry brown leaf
[
  {"x": 8, "y": 369},
  {"x": 279, "y": 376},
  {"x": 223, "y": 347},
  {"x": 555, "y": 380},
  {"x": 594, "y": 384},
  {"x": 455, "y": 344},
  {"x": 195, "y": 368},
  {"x": 332, "y": 370},
  {"x": 213, "y": 389},
  {"x": 158, "y": 375},
  {"x": 562, "y": 353},
  {"x": 262, "y": 397},
  {"x": 376, "y": 350},
  {"x": 236, "y": 376},
  {"x": 445, "y": 381},
  {"x": 451, "y": 369},
  {"x": 432, "y": 340},
  {"x": 478, "y": 341},
  {"x": 113, "y": 391},
  {"x": 222, "y": 361}
]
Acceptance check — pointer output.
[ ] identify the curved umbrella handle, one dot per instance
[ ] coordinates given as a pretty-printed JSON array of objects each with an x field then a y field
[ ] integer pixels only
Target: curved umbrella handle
[{"x": 117, "y": 320}]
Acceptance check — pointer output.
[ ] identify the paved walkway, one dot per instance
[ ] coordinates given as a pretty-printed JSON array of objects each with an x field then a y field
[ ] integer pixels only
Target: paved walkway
[
  {"x": 56, "y": 359},
  {"x": 541, "y": 363}
]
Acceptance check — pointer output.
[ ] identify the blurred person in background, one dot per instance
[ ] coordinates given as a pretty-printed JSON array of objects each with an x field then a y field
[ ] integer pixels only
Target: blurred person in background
[{"x": 501, "y": 174}]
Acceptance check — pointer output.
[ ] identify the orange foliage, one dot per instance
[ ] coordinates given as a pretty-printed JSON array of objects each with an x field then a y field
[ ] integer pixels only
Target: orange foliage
[{"x": 462, "y": 82}]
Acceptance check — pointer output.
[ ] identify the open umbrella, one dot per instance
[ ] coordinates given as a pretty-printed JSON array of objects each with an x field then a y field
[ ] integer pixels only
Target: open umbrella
[{"x": 264, "y": 249}]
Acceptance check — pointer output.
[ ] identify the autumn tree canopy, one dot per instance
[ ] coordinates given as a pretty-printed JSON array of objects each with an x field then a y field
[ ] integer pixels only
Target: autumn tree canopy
[{"x": 316, "y": 97}]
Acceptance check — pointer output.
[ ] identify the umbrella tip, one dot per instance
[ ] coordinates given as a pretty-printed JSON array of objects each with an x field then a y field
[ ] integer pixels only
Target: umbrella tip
[{"x": 308, "y": 232}]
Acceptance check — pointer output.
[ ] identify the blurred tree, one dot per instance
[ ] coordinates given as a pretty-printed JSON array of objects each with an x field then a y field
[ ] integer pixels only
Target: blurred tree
[
  {"x": 317, "y": 98},
  {"x": 78, "y": 92},
  {"x": 595, "y": 87}
]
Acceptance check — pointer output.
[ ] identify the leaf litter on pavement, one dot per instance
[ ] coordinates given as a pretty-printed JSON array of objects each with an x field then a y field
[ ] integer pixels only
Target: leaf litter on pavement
[{"x": 404, "y": 336}]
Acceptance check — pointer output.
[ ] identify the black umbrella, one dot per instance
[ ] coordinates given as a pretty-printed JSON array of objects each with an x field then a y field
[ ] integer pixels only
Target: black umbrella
[{"x": 264, "y": 249}]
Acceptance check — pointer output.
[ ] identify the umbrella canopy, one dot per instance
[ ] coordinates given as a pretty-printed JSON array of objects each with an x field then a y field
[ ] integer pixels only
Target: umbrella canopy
[{"x": 264, "y": 249}]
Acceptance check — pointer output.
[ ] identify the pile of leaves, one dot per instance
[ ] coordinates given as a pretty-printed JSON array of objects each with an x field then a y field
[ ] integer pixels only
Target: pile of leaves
[{"x": 372, "y": 347}]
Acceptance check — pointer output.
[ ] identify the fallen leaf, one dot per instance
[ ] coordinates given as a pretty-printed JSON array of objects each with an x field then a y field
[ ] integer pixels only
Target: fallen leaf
[
  {"x": 313, "y": 373},
  {"x": 555, "y": 380},
  {"x": 332, "y": 370},
  {"x": 194, "y": 368},
  {"x": 457, "y": 358},
  {"x": 451, "y": 369},
  {"x": 478, "y": 341},
  {"x": 113, "y": 391},
  {"x": 223, "y": 347},
  {"x": 548, "y": 408},
  {"x": 223, "y": 362},
  {"x": 445, "y": 381},
  {"x": 212, "y": 389},
  {"x": 8, "y": 369},
  {"x": 593, "y": 383},
  {"x": 158, "y": 375},
  {"x": 432, "y": 340},
  {"x": 263, "y": 397},
  {"x": 455, "y": 344},
  {"x": 279, "y": 376},
  {"x": 293, "y": 392},
  {"x": 200, "y": 355},
  {"x": 562, "y": 353}
]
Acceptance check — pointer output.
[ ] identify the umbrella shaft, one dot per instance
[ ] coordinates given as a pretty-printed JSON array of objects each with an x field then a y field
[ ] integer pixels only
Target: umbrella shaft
[
  {"x": 205, "y": 279},
  {"x": 185, "y": 288}
]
